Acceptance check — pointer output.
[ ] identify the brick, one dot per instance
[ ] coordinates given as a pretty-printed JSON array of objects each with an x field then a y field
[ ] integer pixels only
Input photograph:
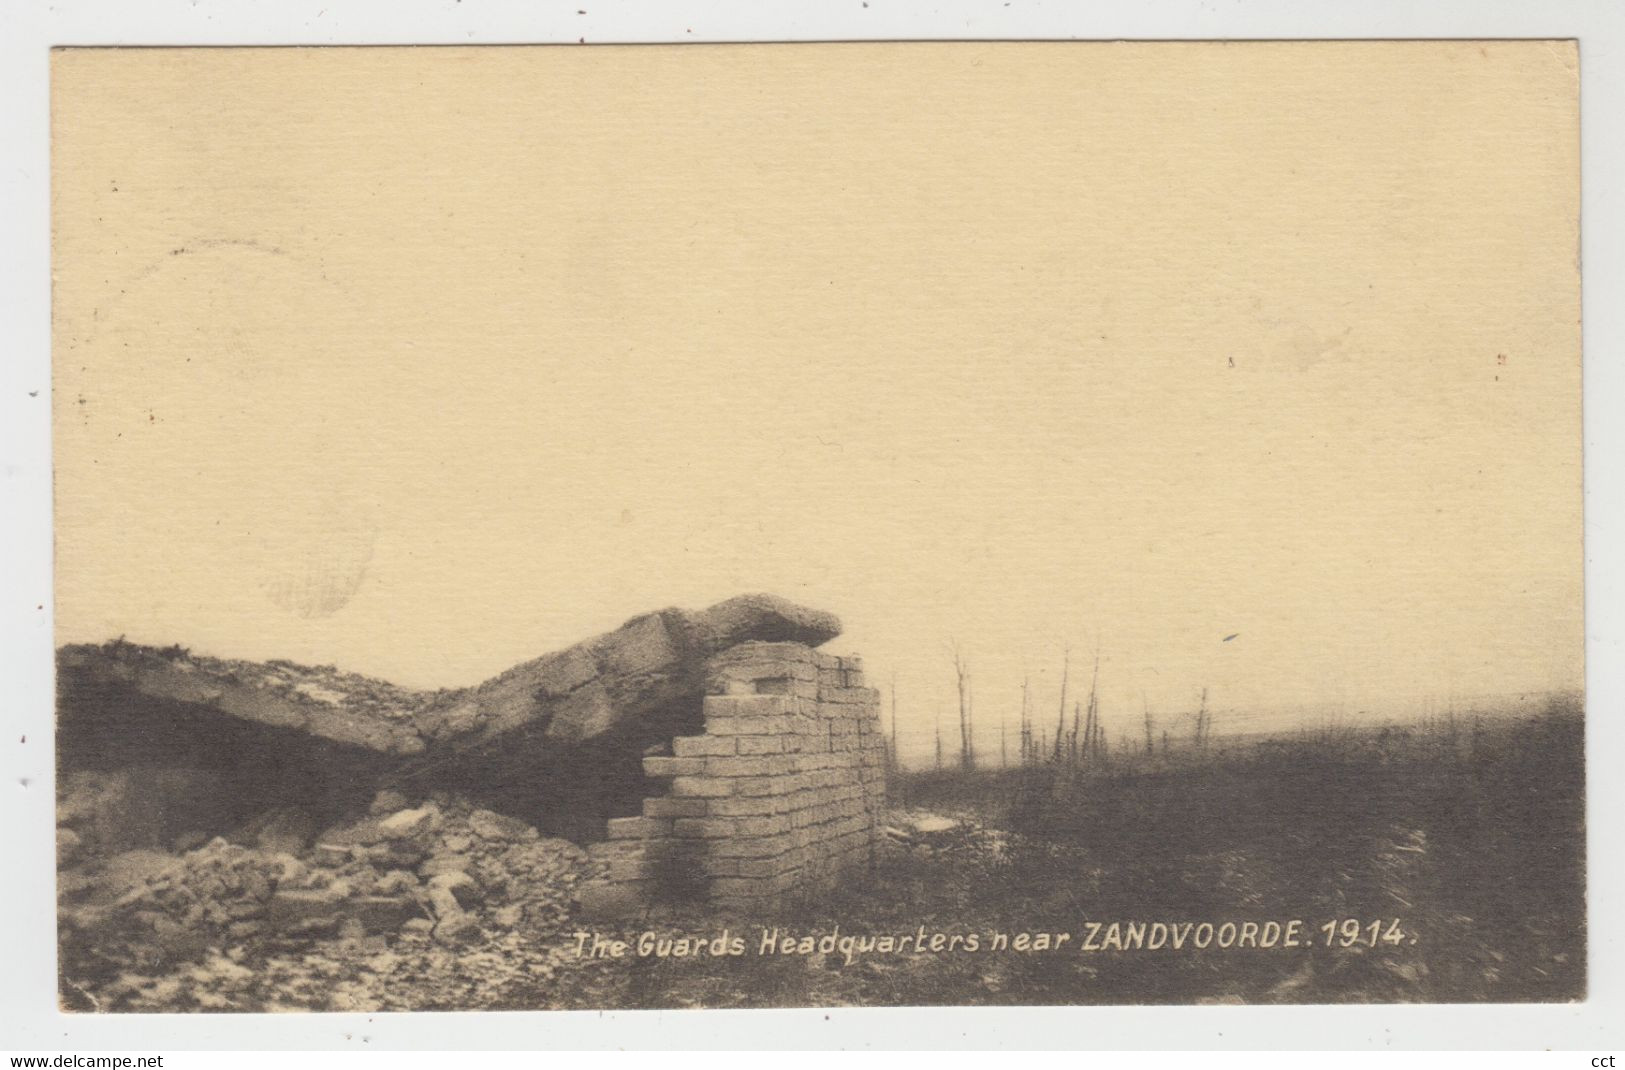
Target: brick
[
  {"x": 748, "y": 847},
  {"x": 706, "y": 827},
  {"x": 758, "y": 744},
  {"x": 622, "y": 869},
  {"x": 701, "y": 746},
  {"x": 755, "y": 765},
  {"x": 667, "y": 806},
  {"x": 701, "y": 786},
  {"x": 758, "y": 867},
  {"x": 750, "y": 726},
  {"x": 637, "y": 828},
  {"x": 762, "y": 826},
  {"x": 672, "y": 767},
  {"x": 726, "y": 706},
  {"x": 743, "y": 806},
  {"x": 849, "y": 696}
]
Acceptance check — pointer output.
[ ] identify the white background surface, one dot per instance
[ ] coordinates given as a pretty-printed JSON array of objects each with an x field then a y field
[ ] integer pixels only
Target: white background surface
[{"x": 29, "y": 1022}]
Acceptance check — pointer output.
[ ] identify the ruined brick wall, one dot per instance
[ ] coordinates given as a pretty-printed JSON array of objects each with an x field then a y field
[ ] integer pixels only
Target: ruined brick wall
[{"x": 781, "y": 793}]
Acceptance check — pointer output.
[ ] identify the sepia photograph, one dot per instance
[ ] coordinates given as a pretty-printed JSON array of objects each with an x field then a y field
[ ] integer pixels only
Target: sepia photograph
[{"x": 837, "y": 525}]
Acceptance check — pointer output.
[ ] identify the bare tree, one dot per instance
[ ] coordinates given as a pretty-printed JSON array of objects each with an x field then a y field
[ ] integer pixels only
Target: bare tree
[
  {"x": 1060, "y": 721},
  {"x": 1089, "y": 744},
  {"x": 967, "y": 743},
  {"x": 1004, "y": 750},
  {"x": 939, "y": 737},
  {"x": 1026, "y": 726}
]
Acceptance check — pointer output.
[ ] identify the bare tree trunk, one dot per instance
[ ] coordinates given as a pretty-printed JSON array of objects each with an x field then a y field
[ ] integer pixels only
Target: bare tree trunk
[
  {"x": 967, "y": 745},
  {"x": 1089, "y": 746},
  {"x": 939, "y": 739},
  {"x": 1060, "y": 720},
  {"x": 1074, "y": 743},
  {"x": 1026, "y": 727}
]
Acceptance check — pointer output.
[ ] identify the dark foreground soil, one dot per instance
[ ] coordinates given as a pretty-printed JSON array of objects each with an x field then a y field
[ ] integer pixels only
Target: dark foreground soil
[{"x": 1449, "y": 865}]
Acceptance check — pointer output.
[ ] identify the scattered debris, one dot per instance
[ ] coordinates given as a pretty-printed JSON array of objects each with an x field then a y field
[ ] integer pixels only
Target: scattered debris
[{"x": 441, "y": 870}]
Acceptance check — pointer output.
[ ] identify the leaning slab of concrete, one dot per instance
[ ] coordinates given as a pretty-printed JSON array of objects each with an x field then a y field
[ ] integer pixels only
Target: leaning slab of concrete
[{"x": 615, "y": 681}]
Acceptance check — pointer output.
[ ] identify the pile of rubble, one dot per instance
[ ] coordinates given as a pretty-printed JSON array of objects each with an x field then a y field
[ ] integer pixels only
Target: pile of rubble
[
  {"x": 439, "y": 870},
  {"x": 926, "y": 834}
]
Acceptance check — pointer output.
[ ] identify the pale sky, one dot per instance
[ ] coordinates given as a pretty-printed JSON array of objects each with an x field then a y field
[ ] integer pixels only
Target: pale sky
[{"x": 424, "y": 362}]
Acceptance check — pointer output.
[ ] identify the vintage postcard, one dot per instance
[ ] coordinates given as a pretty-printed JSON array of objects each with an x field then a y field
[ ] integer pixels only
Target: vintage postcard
[{"x": 818, "y": 525}]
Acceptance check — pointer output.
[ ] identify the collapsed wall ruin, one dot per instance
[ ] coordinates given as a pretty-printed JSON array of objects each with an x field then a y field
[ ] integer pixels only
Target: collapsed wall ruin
[
  {"x": 713, "y": 755},
  {"x": 781, "y": 791}
]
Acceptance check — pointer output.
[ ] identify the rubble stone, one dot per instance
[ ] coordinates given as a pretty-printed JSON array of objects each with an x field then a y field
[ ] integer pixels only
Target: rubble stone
[
  {"x": 387, "y": 801},
  {"x": 285, "y": 829},
  {"x": 404, "y": 823},
  {"x": 488, "y": 825},
  {"x": 456, "y": 929},
  {"x": 453, "y": 892},
  {"x": 770, "y": 751}
]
